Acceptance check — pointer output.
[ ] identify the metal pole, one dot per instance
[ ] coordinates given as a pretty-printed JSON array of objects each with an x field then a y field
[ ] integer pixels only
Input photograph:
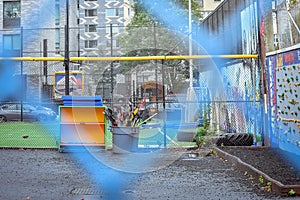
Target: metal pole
[
  {"x": 163, "y": 83},
  {"x": 102, "y": 87},
  {"x": 21, "y": 50},
  {"x": 263, "y": 81},
  {"x": 295, "y": 24},
  {"x": 156, "y": 84},
  {"x": 164, "y": 103},
  {"x": 45, "y": 62},
  {"x": 78, "y": 42},
  {"x": 24, "y": 86},
  {"x": 190, "y": 89},
  {"x": 133, "y": 94},
  {"x": 190, "y": 44},
  {"x": 111, "y": 68},
  {"x": 67, "y": 56}
]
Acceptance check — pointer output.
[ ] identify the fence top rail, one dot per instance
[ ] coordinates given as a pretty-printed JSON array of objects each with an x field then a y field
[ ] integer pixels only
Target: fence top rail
[{"x": 133, "y": 58}]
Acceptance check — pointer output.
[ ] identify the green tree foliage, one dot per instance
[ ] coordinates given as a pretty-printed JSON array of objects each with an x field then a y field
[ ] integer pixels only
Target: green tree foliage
[
  {"x": 144, "y": 16},
  {"x": 147, "y": 36}
]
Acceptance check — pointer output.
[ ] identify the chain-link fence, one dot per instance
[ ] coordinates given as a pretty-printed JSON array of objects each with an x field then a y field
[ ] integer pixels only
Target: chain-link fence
[
  {"x": 231, "y": 99},
  {"x": 237, "y": 107},
  {"x": 225, "y": 91}
]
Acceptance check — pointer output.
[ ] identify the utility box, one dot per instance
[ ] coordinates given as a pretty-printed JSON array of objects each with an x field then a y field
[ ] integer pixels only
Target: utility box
[{"x": 81, "y": 125}]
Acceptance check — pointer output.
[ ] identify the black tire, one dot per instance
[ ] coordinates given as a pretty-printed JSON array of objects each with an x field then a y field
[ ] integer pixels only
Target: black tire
[
  {"x": 238, "y": 139},
  {"x": 220, "y": 141},
  {"x": 3, "y": 119}
]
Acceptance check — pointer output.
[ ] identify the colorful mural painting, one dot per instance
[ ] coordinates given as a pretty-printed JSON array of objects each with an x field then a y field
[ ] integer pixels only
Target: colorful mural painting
[
  {"x": 242, "y": 111},
  {"x": 284, "y": 93},
  {"x": 76, "y": 80}
]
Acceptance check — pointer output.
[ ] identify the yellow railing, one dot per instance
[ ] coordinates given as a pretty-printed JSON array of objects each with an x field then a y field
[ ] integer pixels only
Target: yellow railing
[{"x": 132, "y": 58}]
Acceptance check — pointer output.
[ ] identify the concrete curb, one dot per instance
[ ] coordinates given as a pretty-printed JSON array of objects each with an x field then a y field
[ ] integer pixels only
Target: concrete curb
[{"x": 277, "y": 187}]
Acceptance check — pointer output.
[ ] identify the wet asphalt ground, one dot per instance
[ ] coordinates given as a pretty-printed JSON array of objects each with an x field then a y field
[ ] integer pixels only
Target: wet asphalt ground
[{"x": 100, "y": 174}]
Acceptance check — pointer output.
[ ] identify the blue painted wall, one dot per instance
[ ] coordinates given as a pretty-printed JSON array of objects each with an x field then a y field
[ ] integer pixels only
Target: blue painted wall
[{"x": 284, "y": 93}]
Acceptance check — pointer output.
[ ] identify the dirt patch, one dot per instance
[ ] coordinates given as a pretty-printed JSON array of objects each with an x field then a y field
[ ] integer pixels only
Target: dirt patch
[
  {"x": 197, "y": 176},
  {"x": 279, "y": 165}
]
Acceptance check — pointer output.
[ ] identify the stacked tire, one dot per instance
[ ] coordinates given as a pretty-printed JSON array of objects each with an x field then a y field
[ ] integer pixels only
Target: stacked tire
[{"x": 235, "y": 139}]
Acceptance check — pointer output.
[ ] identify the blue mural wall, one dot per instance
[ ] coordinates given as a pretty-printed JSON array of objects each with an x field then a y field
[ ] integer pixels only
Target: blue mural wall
[{"x": 284, "y": 94}]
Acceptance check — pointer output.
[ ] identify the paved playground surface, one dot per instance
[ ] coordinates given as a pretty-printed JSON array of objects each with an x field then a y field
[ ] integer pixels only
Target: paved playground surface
[{"x": 165, "y": 174}]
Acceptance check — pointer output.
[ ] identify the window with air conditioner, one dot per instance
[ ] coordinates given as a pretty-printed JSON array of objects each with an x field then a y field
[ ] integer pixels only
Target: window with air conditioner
[
  {"x": 90, "y": 43},
  {"x": 90, "y": 12},
  {"x": 90, "y": 28}
]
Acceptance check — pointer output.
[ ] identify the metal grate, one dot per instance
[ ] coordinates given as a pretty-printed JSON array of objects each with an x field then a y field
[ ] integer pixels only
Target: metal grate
[{"x": 86, "y": 191}]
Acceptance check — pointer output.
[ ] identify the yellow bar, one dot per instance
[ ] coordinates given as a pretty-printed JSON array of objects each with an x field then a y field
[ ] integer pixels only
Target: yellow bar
[
  {"x": 133, "y": 58},
  {"x": 33, "y": 58},
  {"x": 185, "y": 57},
  {"x": 240, "y": 56}
]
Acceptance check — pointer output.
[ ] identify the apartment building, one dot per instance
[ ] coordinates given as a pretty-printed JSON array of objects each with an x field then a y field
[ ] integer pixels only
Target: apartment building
[
  {"x": 101, "y": 21},
  {"x": 100, "y": 24},
  {"x": 29, "y": 28},
  {"x": 37, "y": 20},
  {"x": 36, "y": 28},
  {"x": 209, "y": 6}
]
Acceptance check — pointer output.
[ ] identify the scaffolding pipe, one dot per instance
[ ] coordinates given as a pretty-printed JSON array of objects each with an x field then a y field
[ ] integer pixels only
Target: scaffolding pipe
[{"x": 295, "y": 24}]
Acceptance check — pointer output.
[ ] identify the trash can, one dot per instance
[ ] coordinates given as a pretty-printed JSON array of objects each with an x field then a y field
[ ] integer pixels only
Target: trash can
[{"x": 125, "y": 139}]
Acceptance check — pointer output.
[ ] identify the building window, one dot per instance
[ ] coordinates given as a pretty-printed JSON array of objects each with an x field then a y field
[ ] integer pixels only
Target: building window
[
  {"x": 91, "y": 12},
  {"x": 112, "y": 12},
  {"x": 115, "y": 28},
  {"x": 11, "y": 42},
  {"x": 90, "y": 0},
  {"x": 90, "y": 28},
  {"x": 57, "y": 13},
  {"x": 11, "y": 9},
  {"x": 11, "y": 14},
  {"x": 57, "y": 39},
  {"x": 90, "y": 43}
]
